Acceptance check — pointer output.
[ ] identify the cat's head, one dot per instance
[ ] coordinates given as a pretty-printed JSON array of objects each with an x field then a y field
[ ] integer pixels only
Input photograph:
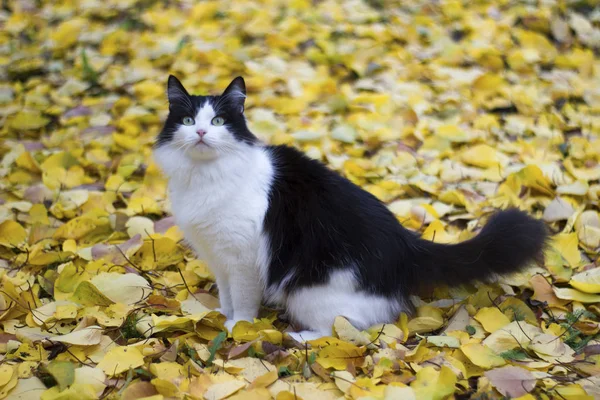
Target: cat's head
[{"x": 206, "y": 127}]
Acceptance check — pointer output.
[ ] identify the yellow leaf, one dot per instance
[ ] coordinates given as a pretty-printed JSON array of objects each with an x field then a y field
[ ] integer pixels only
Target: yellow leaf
[
  {"x": 77, "y": 228},
  {"x": 12, "y": 234},
  {"x": 244, "y": 331},
  {"x": 566, "y": 244},
  {"x": 6, "y": 373},
  {"x": 223, "y": 390},
  {"x": 67, "y": 33},
  {"x": 338, "y": 354},
  {"x": 165, "y": 387},
  {"x": 431, "y": 384},
  {"x": 346, "y": 332},
  {"x": 74, "y": 392},
  {"x": 28, "y": 120},
  {"x": 516, "y": 309},
  {"x": 343, "y": 380},
  {"x": 584, "y": 174},
  {"x": 4, "y": 390},
  {"x": 572, "y": 392},
  {"x": 140, "y": 225},
  {"x": 253, "y": 394},
  {"x": 93, "y": 377},
  {"x": 484, "y": 156},
  {"x": 159, "y": 253},
  {"x": 428, "y": 319},
  {"x": 533, "y": 177},
  {"x": 264, "y": 380},
  {"x": 491, "y": 319},
  {"x": 576, "y": 295},
  {"x": 120, "y": 359},
  {"x": 365, "y": 386},
  {"x": 587, "y": 281},
  {"x": 514, "y": 335},
  {"x": 482, "y": 356}
]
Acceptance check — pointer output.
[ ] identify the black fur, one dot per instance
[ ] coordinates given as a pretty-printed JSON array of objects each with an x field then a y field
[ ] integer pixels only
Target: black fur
[
  {"x": 229, "y": 105},
  {"x": 318, "y": 222}
]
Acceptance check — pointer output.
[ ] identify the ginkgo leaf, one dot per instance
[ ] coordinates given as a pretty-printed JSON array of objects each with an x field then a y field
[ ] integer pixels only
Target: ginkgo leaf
[
  {"x": 122, "y": 288},
  {"x": 120, "y": 359},
  {"x": 511, "y": 381},
  {"x": 587, "y": 281},
  {"x": 482, "y": 356},
  {"x": 572, "y": 294},
  {"x": 337, "y": 354},
  {"x": 491, "y": 318},
  {"x": 11, "y": 234},
  {"x": 433, "y": 384},
  {"x": 63, "y": 373}
]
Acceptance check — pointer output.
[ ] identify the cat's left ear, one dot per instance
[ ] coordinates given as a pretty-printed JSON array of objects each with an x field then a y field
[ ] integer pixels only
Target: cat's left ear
[
  {"x": 236, "y": 93},
  {"x": 175, "y": 90}
]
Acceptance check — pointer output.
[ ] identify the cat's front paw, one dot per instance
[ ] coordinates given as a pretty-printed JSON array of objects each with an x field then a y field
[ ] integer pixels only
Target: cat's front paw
[{"x": 230, "y": 323}]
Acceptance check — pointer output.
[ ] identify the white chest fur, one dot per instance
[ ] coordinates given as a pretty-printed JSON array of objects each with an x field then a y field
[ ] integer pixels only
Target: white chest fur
[{"x": 220, "y": 205}]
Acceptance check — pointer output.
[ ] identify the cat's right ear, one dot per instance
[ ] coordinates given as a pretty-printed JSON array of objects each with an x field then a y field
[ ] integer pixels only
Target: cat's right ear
[{"x": 175, "y": 90}]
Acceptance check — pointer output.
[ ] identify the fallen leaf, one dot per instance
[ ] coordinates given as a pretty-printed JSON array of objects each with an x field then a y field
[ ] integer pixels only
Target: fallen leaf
[
  {"x": 482, "y": 356},
  {"x": 120, "y": 359},
  {"x": 511, "y": 381},
  {"x": 433, "y": 384},
  {"x": 587, "y": 281}
]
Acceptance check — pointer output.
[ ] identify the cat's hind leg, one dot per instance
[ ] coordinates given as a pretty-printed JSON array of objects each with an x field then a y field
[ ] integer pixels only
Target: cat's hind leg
[{"x": 315, "y": 307}]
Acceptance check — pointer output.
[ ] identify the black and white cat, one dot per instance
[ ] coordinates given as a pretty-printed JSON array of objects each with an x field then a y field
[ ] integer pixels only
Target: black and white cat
[{"x": 278, "y": 227}]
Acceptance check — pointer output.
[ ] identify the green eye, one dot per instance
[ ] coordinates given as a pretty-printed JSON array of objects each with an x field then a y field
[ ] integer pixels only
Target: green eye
[
  {"x": 218, "y": 121},
  {"x": 188, "y": 121}
]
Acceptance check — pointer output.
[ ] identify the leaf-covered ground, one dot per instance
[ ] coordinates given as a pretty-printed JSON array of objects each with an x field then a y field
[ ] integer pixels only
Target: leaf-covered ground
[{"x": 446, "y": 110}]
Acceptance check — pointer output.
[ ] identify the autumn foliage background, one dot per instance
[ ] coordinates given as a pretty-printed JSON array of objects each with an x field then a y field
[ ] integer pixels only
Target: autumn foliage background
[{"x": 445, "y": 110}]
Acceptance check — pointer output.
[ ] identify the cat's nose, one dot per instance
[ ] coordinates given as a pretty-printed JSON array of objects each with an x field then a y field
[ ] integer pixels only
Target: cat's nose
[{"x": 201, "y": 133}]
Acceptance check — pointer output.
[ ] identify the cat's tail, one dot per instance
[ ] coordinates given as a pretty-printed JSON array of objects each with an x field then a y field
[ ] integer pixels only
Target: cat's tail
[{"x": 509, "y": 241}]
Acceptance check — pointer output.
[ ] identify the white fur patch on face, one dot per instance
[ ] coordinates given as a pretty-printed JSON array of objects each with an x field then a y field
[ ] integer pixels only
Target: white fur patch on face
[{"x": 214, "y": 142}]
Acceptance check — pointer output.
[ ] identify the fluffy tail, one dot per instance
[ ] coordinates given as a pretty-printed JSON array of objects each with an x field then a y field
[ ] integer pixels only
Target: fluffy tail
[{"x": 509, "y": 241}]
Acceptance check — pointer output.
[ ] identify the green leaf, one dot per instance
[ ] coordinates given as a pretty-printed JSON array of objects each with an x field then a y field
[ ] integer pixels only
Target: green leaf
[
  {"x": 88, "y": 72},
  {"x": 63, "y": 373},
  {"x": 312, "y": 357},
  {"x": 470, "y": 330},
  {"x": 284, "y": 371},
  {"x": 515, "y": 354},
  {"x": 215, "y": 345},
  {"x": 87, "y": 294}
]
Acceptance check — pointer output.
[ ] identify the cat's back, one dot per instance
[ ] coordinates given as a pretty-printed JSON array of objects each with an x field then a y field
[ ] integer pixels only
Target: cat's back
[{"x": 300, "y": 180}]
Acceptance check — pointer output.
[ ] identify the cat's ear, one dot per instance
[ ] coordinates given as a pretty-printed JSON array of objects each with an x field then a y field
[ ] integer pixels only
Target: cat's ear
[
  {"x": 175, "y": 90},
  {"x": 236, "y": 93}
]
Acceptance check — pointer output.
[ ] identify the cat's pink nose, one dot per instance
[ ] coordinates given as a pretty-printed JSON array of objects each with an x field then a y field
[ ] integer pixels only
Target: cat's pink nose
[{"x": 201, "y": 133}]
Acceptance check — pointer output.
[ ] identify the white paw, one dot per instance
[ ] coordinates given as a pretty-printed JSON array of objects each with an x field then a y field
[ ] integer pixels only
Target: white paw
[
  {"x": 229, "y": 324},
  {"x": 305, "y": 336}
]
